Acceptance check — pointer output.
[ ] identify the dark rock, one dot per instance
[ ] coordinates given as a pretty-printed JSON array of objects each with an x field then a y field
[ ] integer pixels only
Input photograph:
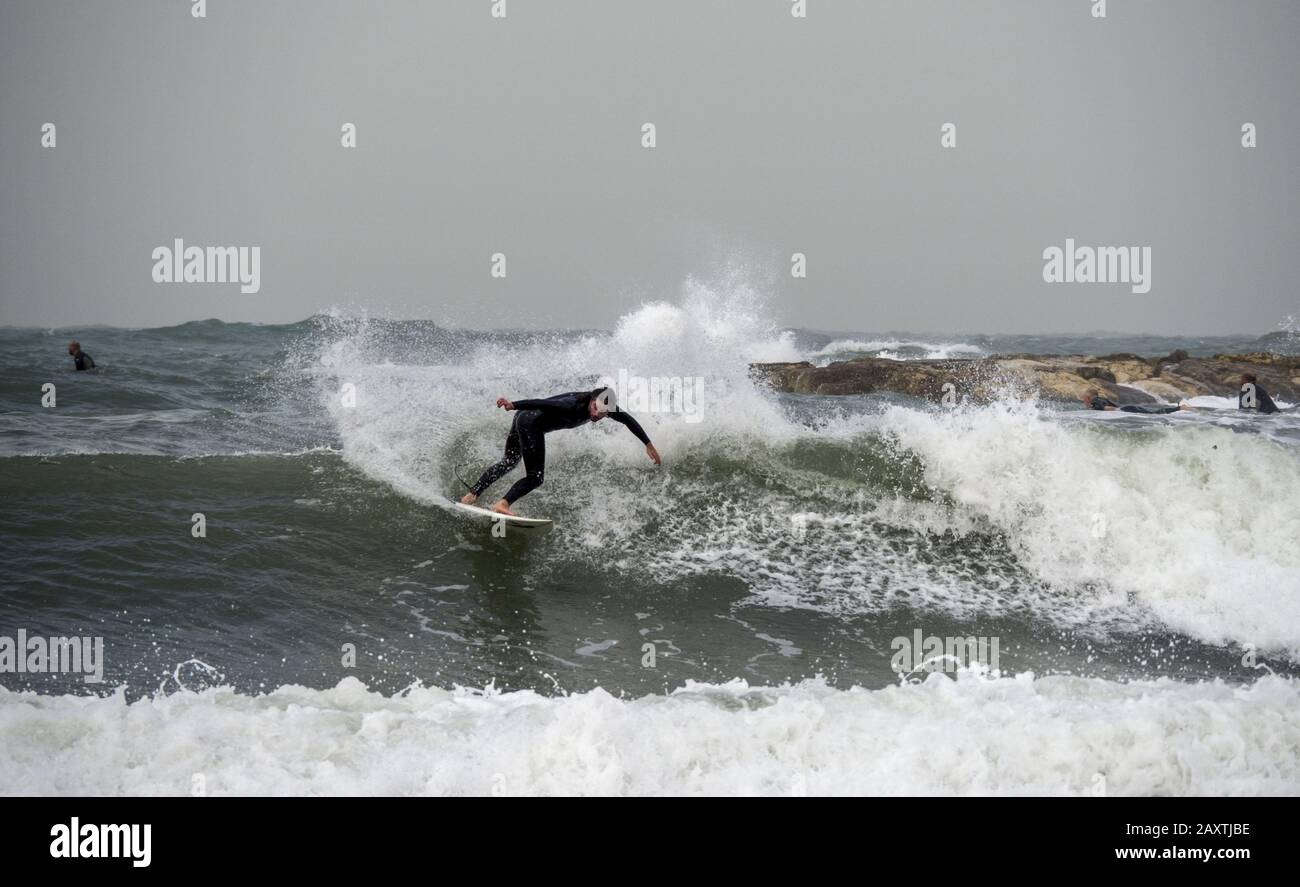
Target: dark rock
[{"x": 1124, "y": 378}]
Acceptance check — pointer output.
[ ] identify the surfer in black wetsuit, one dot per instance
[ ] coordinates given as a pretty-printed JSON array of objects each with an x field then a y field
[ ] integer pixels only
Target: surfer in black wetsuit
[
  {"x": 527, "y": 439},
  {"x": 80, "y": 359},
  {"x": 1261, "y": 401},
  {"x": 1093, "y": 400}
]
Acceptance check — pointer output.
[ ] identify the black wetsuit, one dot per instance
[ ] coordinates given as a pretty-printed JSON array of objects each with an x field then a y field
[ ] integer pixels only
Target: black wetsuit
[
  {"x": 1263, "y": 402},
  {"x": 83, "y": 361},
  {"x": 527, "y": 439},
  {"x": 1101, "y": 403}
]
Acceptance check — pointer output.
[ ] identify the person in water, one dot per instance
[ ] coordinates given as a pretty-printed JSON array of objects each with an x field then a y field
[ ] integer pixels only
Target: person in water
[
  {"x": 1093, "y": 400},
  {"x": 1263, "y": 403},
  {"x": 534, "y": 419},
  {"x": 80, "y": 359}
]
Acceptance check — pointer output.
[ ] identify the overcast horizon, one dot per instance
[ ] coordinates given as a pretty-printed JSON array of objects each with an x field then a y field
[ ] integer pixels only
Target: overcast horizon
[
  {"x": 71, "y": 329},
  {"x": 775, "y": 135}
]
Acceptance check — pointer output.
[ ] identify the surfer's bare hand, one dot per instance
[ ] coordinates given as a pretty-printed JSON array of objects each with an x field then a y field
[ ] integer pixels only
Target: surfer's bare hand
[
  {"x": 652, "y": 453},
  {"x": 505, "y": 404}
]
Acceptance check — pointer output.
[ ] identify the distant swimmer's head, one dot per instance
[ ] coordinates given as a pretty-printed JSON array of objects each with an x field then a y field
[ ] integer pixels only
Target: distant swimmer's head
[
  {"x": 73, "y": 347},
  {"x": 600, "y": 403}
]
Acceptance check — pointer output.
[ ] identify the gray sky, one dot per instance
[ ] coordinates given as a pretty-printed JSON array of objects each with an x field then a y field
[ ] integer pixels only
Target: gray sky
[{"x": 775, "y": 135}]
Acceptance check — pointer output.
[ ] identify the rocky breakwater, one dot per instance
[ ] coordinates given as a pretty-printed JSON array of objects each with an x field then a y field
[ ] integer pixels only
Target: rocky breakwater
[{"x": 1124, "y": 378}]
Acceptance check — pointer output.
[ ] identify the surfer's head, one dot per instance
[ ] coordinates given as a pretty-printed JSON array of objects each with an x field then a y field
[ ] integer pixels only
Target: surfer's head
[
  {"x": 1088, "y": 396},
  {"x": 73, "y": 347},
  {"x": 600, "y": 403},
  {"x": 1247, "y": 378}
]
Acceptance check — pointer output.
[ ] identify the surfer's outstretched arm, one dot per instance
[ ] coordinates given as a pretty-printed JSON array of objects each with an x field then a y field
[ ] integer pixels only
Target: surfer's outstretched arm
[
  {"x": 560, "y": 403},
  {"x": 632, "y": 425},
  {"x": 625, "y": 419}
]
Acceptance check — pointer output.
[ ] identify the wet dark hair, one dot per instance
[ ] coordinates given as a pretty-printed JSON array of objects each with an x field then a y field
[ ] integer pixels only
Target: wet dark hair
[{"x": 1248, "y": 377}]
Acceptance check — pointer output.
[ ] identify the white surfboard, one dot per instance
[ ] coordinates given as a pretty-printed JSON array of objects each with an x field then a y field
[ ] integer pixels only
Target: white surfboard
[{"x": 514, "y": 520}]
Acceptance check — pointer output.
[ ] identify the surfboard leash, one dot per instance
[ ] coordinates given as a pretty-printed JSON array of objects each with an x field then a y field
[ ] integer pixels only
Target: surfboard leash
[{"x": 456, "y": 471}]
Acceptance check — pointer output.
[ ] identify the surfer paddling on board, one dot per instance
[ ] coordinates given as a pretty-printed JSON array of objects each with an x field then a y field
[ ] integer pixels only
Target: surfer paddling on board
[
  {"x": 1093, "y": 400},
  {"x": 534, "y": 419}
]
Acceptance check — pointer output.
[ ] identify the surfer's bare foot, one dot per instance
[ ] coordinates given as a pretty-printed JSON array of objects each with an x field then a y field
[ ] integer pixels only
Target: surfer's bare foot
[
  {"x": 468, "y": 499},
  {"x": 502, "y": 507}
]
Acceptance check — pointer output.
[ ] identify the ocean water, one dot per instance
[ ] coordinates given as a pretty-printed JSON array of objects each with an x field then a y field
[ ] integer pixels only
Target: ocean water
[{"x": 1141, "y": 575}]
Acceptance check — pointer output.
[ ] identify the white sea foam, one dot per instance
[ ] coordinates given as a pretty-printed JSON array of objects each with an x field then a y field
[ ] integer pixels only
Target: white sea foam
[
  {"x": 893, "y": 348},
  {"x": 1209, "y": 401},
  {"x": 1055, "y": 735},
  {"x": 1197, "y": 524},
  {"x": 409, "y": 421}
]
